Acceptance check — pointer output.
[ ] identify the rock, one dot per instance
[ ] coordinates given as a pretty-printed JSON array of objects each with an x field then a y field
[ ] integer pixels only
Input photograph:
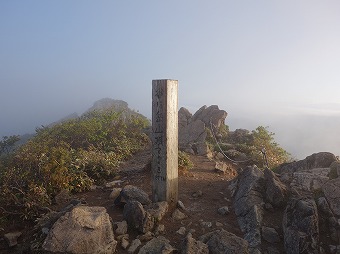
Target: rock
[
  {"x": 113, "y": 183},
  {"x": 137, "y": 217},
  {"x": 178, "y": 215},
  {"x": 272, "y": 250},
  {"x": 120, "y": 227},
  {"x": 181, "y": 231},
  {"x": 269, "y": 207},
  {"x": 125, "y": 243},
  {"x": 221, "y": 241},
  {"x": 146, "y": 237},
  {"x": 158, "y": 210},
  {"x": 219, "y": 224},
  {"x": 222, "y": 167},
  {"x": 248, "y": 204},
  {"x": 301, "y": 226},
  {"x": 310, "y": 180},
  {"x": 134, "y": 246},
  {"x": 180, "y": 205},
  {"x": 192, "y": 246},
  {"x": 115, "y": 193},
  {"x": 223, "y": 210},
  {"x": 12, "y": 238},
  {"x": 206, "y": 224},
  {"x": 324, "y": 207},
  {"x": 157, "y": 245},
  {"x": 192, "y": 129},
  {"x": 276, "y": 192},
  {"x": 316, "y": 160},
  {"x": 270, "y": 235},
  {"x": 332, "y": 194},
  {"x": 134, "y": 214},
  {"x": 83, "y": 230},
  {"x": 184, "y": 117},
  {"x": 160, "y": 228},
  {"x": 335, "y": 166},
  {"x": 250, "y": 225},
  {"x": 197, "y": 194},
  {"x": 130, "y": 193}
]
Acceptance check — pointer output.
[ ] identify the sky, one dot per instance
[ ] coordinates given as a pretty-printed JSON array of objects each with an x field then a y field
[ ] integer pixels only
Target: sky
[{"x": 270, "y": 63}]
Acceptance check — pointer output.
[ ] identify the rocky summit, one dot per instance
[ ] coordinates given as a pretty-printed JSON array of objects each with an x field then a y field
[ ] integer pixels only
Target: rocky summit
[{"x": 223, "y": 207}]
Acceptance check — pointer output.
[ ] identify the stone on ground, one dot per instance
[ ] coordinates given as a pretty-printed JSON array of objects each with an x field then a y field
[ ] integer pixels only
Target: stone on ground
[
  {"x": 221, "y": 241},
  {"x": 83, "y": 230}
]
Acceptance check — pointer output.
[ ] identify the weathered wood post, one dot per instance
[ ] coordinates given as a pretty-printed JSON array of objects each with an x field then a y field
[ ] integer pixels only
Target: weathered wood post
[{"x": 164, "y": 140}]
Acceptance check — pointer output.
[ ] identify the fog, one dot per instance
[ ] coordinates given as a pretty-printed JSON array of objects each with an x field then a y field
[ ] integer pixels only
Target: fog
[{"x": 269, "y": 63}]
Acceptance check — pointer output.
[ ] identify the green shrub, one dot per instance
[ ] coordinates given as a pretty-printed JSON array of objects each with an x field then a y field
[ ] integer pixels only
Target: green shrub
[
  {"x": 70, "y": 155},
  {"x": 184, "y": 162}
]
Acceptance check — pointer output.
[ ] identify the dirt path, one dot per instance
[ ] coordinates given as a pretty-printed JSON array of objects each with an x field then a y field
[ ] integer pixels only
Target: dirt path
[{"x": 201, "y": 209}]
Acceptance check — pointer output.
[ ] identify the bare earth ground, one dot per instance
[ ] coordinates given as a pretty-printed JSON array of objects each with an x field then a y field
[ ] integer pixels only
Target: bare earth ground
[{"x": 202, "y": 178}]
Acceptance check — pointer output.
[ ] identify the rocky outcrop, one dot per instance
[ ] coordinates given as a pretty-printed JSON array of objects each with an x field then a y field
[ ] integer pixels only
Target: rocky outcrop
[
  {"x": 193, "y": 129},
  {"x": 307, "y": 175},
  {"x": 221, "y": 241},
  {"x": 82, "y": 230},
  {"x": 332, "y": 194},
  {"x": 316, "y": 160},
  {"x": 301, "y": 226},
  {"x": 248, "y": 204},
  {"x": 276, "y": 192}
]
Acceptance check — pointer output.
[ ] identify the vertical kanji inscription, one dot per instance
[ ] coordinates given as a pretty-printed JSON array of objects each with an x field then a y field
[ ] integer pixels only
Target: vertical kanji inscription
[{"x": 164, "y": 140}]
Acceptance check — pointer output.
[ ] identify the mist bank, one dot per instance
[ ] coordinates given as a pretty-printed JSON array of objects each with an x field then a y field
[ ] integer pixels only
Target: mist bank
[{"x": 299, "y": 134}]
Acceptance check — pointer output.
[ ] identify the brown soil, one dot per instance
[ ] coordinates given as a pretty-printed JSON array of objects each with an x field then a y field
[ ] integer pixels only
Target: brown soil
[{"x": 202, "y": 178}]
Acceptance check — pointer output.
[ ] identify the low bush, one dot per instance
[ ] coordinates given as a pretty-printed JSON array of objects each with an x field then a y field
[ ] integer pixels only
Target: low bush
[{"x": 71, "y": 155}]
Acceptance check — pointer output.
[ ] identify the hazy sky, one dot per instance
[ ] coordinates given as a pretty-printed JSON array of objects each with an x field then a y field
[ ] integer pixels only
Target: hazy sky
[{"x": 273, "y": 63}]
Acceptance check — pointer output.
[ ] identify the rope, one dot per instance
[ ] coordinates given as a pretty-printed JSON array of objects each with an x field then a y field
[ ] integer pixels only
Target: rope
[{"x": 234, "y": 161}]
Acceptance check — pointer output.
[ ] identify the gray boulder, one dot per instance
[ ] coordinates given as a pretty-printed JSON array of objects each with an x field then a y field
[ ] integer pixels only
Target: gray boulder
[
  {"x": 156, "y": 246},
  {"x": 332, "y": 194},
  {"x": 301, "y": 226},
  {"x": 137, "y": 217},
  {"x": 316, "y": 160},
  {"x": 224, "y": 242},
  {"x": 276, "y": 192},
  {"x": 130, "y": 193},
  {"x": 192, "y": 246},
  {"x": 310, "y": 180},
  {"x": 270, "y": 235},
  {"x": 248, "y": 204},
  {"x": 83, "y": 230}
]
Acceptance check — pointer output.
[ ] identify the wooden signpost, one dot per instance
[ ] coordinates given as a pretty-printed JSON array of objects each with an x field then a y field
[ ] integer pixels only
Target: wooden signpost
[{"x": 165, "y": 140}]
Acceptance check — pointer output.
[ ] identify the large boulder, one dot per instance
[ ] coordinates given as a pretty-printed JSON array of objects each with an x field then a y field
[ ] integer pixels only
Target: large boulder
[
  {"x": 248, "y": 204},
  {"x": 310, "y": 180},
  {"x": 136, "y": 216},
  {"x": 192, "y": 130},
  {"x": 316, "y": 160},
  {"x": 83, "y": 230},
  {"x": 276, "y": 192},
  {"x": 332, "y": 194},
  {"x": 224, "y": 242},
  {"x": 301, "y": 226}
]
